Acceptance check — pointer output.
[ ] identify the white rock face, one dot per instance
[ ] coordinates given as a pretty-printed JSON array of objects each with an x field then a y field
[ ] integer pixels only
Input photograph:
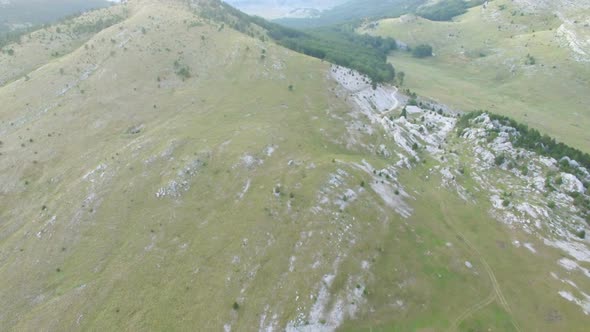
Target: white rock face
[
  {"x": 371, "y": 101},
  {"x": 571, "y": 183},
  {"x": 527, "y": 191}
]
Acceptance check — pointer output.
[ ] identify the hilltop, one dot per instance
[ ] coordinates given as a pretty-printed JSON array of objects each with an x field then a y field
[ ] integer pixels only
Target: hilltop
[{"x": 165, "y": 171}]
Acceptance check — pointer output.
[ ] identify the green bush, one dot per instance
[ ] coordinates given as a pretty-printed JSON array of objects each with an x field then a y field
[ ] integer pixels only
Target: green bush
[
  {"x": 404, "y": 113},
  {"x": 422, "y": 51}
]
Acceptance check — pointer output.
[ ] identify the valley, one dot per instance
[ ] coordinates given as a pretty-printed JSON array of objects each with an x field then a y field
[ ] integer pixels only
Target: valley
[{"x": 481, "y": 62}]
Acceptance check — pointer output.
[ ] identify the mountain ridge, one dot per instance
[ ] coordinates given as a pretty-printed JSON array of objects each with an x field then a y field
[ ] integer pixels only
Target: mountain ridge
[{"x": 169, "y": 172}]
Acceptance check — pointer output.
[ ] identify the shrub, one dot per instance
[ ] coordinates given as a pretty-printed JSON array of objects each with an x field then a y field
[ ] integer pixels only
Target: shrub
[
  {"x": 422, "y": 51},
  {"x": 559, "y": 181},
  {"x": 184, "y": 72},
  {"x": 581, "y": 234},
  {"x": 530, "y": 60},
  {"x": 235, "y": 306}
]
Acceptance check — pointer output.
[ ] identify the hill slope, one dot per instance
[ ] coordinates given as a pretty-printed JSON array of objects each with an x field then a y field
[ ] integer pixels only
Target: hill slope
[
  {"x": 179, "y": 174},
  {"x": 23, "y": 13},
  {"x": 524, "y": 59}
]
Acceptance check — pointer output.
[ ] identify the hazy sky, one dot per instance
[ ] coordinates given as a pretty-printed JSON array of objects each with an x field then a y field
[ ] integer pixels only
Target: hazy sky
[{"x": 279, "y": 8}]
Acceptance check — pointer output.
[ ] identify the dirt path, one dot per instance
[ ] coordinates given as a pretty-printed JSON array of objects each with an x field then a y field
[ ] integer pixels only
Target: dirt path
[
  {"x": 473, "y": 309},
  {"x": 495, "y": 294},
  {"x": 395, "y": 104}
]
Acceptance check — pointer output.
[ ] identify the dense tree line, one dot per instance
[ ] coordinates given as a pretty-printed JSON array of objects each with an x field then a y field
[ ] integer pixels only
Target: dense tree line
[
  {"x": 365, "y": 53},
  {"x": 11, "y": 37},
  {"x": 443, "y": 10},
  {"x": 338, "y": 44},
  {"x": 531, "y": 139},
  {"x": 447, "y": 9}
]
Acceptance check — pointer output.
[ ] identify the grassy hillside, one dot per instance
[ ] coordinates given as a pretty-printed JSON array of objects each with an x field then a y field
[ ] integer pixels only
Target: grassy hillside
[
  {"x": 339, "y": 45},
  {"x": 36, "y": 48},
  {"x": 170, "y": 172},
  {"x": 512, "y": 59},
  {"x": 16, "y": 14}
]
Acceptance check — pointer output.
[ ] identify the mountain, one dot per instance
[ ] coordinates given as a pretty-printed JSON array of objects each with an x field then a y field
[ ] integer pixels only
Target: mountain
[
  {"x": 160, "y": 170},
  {"x": 16, "y": 14}
]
